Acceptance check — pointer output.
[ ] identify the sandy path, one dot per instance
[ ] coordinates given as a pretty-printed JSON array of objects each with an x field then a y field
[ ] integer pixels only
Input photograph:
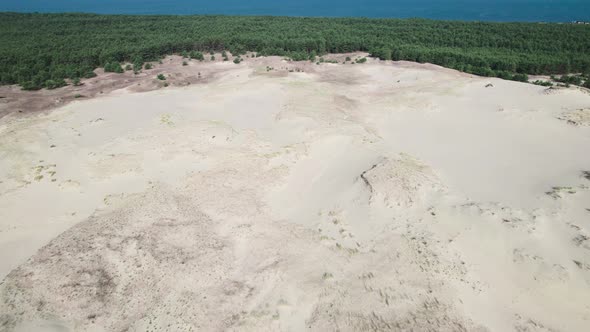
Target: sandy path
[{"x": 346, "y": 197}]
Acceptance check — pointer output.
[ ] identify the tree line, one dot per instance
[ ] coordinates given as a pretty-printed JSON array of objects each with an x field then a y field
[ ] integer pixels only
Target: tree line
[{"x": 43, "y": 50}]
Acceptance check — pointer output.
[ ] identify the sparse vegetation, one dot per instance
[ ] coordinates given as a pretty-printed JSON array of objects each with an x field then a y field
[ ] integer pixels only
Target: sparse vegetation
[
  {"x": 568, "y": 79},
  {"x": 579, "y": 80},
  {"x": 542, "y": 83},
  {"x": 148, "y": 66},
  {"x": 556, "y": 192}
]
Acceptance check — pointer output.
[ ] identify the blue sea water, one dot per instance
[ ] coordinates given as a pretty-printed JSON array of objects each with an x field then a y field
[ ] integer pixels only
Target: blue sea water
[{"x": 470, "y": 10}]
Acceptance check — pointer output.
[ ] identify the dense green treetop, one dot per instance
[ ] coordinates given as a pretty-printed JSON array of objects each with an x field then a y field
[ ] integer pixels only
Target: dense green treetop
[{"x": 35, "y": 48}]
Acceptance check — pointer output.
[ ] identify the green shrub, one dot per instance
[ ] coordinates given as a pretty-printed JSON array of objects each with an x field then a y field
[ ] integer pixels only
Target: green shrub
[
  {"x": 113, "y": 67},
  {"x": 569, "y": 79},
  {"x": 197, "y": 55},
  {"x": 89, "y": 74},
  {"x": 298, "y": 56},
  {"x": 520, "y": 77},
  {"x": 54, "y": 84},
  {"x": 161, "y": 77},
  {"x": 381, "y": 53},
  {"x": 542, "y": 83}
]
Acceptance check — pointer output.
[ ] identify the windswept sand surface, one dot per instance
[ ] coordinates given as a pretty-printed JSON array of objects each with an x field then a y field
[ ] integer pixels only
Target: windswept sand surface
[{"x": 381, "y": 196}]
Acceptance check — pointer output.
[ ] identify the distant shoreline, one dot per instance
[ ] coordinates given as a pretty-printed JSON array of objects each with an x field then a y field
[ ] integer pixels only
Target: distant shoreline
[
  {"x": 563, "y": 11},
  {"x": 571, "y": 21}
]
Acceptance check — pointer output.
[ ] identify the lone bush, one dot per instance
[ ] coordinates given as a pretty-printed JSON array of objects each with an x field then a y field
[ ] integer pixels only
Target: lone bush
[
  {"x": 113, "y": 67},
  {"x": 197, "y": 55},
  {"x": 542, "y": 83},
  {"x": 54, "y": 84}
]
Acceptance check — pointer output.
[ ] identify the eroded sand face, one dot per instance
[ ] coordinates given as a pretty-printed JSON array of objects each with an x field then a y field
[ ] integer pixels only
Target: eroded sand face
[{"x": 382, "y": 196}]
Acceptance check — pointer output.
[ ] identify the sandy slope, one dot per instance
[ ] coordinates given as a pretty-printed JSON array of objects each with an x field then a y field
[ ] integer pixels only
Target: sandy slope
[{"x": 346, "y": 197}]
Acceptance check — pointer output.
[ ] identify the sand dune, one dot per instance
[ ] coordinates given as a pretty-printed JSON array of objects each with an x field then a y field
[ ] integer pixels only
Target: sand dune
[{"x": 381, "y": 196}]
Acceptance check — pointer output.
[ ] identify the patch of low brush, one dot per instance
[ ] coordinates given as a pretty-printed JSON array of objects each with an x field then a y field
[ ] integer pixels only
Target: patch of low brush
[{"x": 556, "y": 192}]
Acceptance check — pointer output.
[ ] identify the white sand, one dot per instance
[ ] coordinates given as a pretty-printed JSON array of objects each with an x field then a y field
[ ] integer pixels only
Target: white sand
[{"x": 382, "y": 196}]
